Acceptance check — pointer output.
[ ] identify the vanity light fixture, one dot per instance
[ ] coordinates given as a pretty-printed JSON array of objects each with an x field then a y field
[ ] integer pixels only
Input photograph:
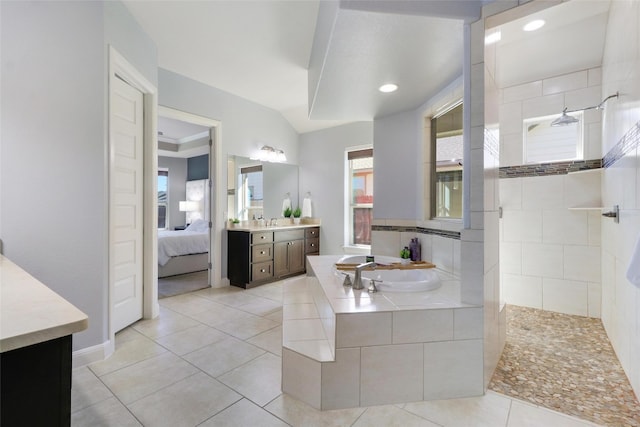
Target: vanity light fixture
[
  {"x": 566, "y": 119},
  {"x": 536, "y": 24},
  {"x": 388, "y": 88},
  {"x": 269, "y": 154}
]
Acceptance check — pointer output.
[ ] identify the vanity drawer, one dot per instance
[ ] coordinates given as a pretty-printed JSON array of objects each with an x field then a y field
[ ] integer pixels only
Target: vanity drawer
[
  {"x": 262, "y": 237},
  {"x": 285, "y": 236},
  {"x": 312, "y": 246},
  {"x": 261, "y": 271},
  {"x": 312, "y": 232},
  {"x": 261, "y": 253}
]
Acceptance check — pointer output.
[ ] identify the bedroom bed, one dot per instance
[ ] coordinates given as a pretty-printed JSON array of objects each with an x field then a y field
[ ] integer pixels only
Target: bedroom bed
[{"x": 183, "y": 251}]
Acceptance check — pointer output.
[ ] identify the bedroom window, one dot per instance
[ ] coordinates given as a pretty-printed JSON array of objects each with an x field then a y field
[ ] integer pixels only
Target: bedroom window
[
  {"x": 360, "y": 187},
  {"x": 163, "y": 212}
]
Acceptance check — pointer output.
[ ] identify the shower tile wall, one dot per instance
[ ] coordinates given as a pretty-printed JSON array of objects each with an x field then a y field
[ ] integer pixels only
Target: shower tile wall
[
  {"x": 621, "y": 186},
  {"x": 550, "y": 254}
]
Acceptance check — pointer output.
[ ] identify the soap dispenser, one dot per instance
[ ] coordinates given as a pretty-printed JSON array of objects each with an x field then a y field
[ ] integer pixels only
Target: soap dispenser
[{"x": 415, "y": 250}]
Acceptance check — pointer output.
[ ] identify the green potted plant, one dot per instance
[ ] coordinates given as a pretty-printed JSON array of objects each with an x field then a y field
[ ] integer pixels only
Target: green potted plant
[
  {"x": 287, "y": 213},
  {"x": 296, "y": 215},
  {"x": 405, "y": 254}
]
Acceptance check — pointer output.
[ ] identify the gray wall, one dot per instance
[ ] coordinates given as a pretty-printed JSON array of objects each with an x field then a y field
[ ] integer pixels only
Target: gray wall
[
  {"x": 53, "y": 158},
  {"x": 397, "y": 165},
  {"x": 322, "y": 172},
  {"x": 177, "y": 189}
]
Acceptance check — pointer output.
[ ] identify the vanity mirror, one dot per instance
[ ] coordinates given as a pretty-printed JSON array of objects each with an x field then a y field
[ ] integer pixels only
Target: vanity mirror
[{"x": 258, "y": 189}]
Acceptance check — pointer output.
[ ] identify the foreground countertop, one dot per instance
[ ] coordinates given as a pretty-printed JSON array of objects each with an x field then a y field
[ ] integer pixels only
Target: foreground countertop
[{"x": 30, "y": 312}]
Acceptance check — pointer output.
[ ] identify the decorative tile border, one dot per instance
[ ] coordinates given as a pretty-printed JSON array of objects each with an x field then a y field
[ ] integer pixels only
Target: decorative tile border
[
  {"x": 420, "y": 230},
  {"x": 629, "y": 141},
  {"x": 543, "y": 169}
]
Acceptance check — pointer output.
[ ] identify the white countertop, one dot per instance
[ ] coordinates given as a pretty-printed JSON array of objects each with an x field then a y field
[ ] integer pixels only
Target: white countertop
[
  {"x": 30, "y": 312},
  {"x": 258, "y": 228}
]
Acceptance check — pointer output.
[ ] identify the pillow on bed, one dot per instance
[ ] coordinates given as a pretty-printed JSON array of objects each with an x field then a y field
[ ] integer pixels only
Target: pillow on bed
[{"x": 199, "y": 225}]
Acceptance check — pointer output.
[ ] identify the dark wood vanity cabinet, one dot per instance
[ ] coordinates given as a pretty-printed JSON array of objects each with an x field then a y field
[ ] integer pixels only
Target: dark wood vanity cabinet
[
  {"x": 288, "y": 253},
  {"x": 258, "y": 257}
]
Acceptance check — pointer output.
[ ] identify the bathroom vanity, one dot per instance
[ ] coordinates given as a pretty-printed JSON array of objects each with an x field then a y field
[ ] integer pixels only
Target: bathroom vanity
[
  {"x": 259, "y": 255},
  {"x": 36, "y": 326}
]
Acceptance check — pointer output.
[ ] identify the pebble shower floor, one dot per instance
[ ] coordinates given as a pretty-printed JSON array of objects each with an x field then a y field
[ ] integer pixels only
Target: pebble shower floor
[{"x": 565, "y": 363}]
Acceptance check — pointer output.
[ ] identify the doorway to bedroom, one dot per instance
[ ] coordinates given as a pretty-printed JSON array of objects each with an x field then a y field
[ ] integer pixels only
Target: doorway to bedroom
[{"x": 185, "y": 198}]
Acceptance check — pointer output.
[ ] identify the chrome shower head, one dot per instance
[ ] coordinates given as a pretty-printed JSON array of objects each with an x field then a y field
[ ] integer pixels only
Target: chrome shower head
[{"x": 564, "y": 119}]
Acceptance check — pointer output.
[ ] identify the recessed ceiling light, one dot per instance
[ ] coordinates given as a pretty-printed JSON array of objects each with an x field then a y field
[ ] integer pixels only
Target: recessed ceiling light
[
  {"x": 534, "y": 25},
  {"x": 389, "y": 87},
  {"x": 493, "y": 38}
]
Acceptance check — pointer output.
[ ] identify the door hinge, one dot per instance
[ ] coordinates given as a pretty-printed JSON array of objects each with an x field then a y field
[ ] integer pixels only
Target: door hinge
[
  {"x": 210, "y": 142},
  {"x": 210, "y": 224},
  {"x": 210, "y": 266}
]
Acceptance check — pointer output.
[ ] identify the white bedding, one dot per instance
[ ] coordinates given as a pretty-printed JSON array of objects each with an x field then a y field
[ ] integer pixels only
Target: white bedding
[{"x": 181, "y": 242}]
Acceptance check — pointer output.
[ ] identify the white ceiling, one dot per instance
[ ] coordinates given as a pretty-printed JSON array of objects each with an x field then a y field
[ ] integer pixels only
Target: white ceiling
[{"x": 260, "y": 50}]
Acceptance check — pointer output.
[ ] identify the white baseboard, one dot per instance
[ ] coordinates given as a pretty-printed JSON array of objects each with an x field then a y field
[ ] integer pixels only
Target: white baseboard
[{"x": 89, "y": 355}]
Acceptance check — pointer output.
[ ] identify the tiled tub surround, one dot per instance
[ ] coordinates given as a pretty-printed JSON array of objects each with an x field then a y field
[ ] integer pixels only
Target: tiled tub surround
[
  {"x": 439, "y": 240},
  {"x": 346, "y": 348}
]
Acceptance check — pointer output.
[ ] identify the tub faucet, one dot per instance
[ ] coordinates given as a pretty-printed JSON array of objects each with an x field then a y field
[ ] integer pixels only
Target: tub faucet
[{"x": 357, "y": 281}]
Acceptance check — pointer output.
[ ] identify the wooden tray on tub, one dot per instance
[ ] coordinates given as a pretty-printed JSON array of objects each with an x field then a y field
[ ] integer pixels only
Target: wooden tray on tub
[{"x": 413, "y": 265}]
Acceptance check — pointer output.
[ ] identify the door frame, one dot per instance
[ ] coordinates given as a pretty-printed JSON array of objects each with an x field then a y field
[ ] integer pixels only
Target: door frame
[
  {"x": 120, "y": 68},
  {"x": 215, "y": 180}
]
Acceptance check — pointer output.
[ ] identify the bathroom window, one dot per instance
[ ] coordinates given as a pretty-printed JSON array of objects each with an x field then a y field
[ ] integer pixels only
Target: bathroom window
[
  {"x": 446, "y": 190},
  {"x": 360, "y": 195},
  {"x": 163, "y": 186},
  {"x": 544, "y": 143}
]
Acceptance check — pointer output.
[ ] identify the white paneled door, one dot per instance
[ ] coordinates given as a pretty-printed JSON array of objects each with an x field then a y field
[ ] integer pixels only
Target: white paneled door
[{"x": 126, "y": 184}]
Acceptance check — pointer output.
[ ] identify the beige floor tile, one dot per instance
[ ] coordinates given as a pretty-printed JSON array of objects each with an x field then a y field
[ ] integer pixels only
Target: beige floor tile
[
  {"x": 214, "y": 292},
  {"x": 258, "y": 380},
  {"x": 166, "y": 323},
  {"x": 244, "y": 413},
  {"x": 390, "y": 415},
  {"x": 262, "y": 307},
  {"x": 524, "y": 414},
  {"x": 109, "y": 412},
  {"x": 191, "y": 339},
  {"x": 273, "y": 292},
  {"x": 276, "y": 316},
  {"x": 86, "y": 389},
  {"x": 247, "y": 328},
  {"x": 297, "y": 413},
  {"x": 127, "y": 334},
  {"x": 126, "y": 354},
  {"x": 137, "y": 381},
  {"x": 185, "y": 403},
  {"x": 234, "y": 299},
  {"x": 187, "y": 304},
  {"x": 220, "y": 315},
  {"x": 490, "y": 410},
  {"x": 223, "y": 356},
  {"x": 300, "y": 311},
  {"x": 270, "y": 340}
]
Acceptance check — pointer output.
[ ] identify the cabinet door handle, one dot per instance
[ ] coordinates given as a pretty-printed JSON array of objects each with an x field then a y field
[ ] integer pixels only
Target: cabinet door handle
[
  {"x": 262, "y": 252},
  {"x": 262, "y": 270},
  {"x": 291, "y": 243},
  {"x": 313, "y": 244},
  {"x": 262, "y": 237}
]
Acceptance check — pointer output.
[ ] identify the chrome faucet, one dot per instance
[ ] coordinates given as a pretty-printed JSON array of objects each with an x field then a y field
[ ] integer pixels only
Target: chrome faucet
[
  {"x": 273, "y": 222},
  {"x": 357, "y": 281}
]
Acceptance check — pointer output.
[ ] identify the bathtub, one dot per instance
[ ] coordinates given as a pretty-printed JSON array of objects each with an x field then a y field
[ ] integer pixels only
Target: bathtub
[{"x": 415, "y": 280}]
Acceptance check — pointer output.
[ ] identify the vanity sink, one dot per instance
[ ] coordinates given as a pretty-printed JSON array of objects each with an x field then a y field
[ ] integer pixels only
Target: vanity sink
[{"x": 403, "y": 279}]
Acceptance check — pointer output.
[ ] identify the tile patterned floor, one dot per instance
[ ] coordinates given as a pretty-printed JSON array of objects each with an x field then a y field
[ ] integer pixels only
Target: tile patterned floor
[
  {"x": 213, "y": 358},
  {"x": 565, "y": 363}
]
